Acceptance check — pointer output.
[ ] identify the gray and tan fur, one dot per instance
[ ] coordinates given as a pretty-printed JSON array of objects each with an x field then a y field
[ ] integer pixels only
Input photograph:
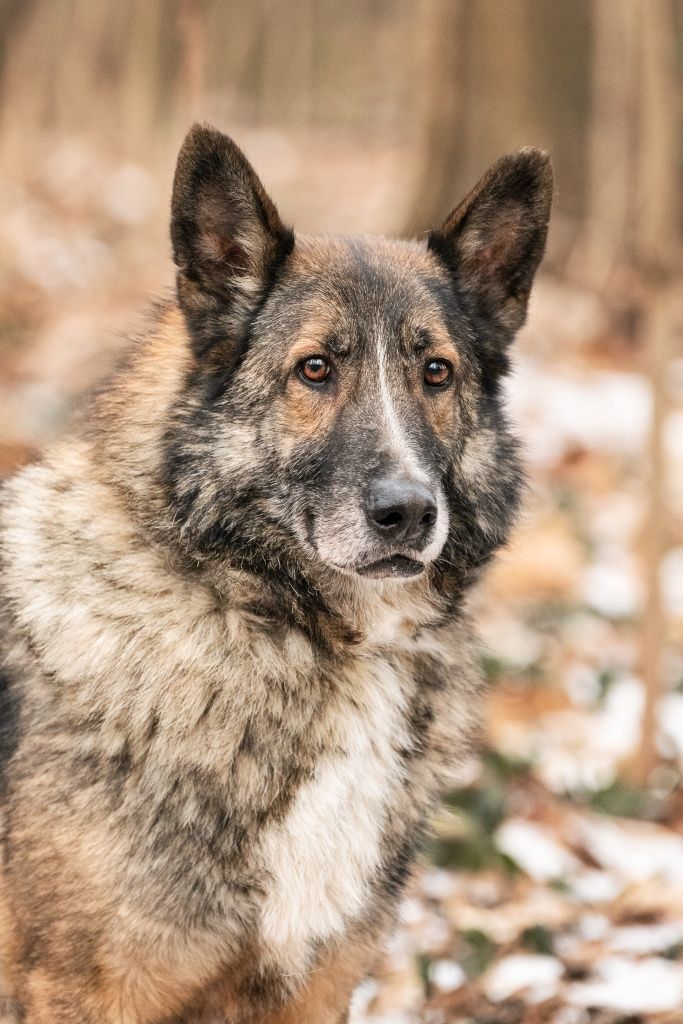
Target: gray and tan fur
[{"x": 237, "y": 667}]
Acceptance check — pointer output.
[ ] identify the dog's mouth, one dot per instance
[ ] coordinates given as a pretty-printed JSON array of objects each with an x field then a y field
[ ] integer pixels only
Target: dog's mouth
[{"x": 397, "y": 567}]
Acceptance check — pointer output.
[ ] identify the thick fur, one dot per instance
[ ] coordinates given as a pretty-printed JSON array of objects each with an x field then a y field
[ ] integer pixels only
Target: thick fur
[{"x": 219, "y": 740}]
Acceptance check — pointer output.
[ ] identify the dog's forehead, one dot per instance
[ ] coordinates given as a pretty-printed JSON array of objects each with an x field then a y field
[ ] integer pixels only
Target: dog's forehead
[{"x": 372, "y": 280}]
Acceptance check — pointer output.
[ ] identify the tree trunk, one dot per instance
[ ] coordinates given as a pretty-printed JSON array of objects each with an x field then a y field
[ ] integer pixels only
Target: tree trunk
[
  {"x": 439, "y": 33},
  {"x": 607, "y": 236},
  {"x": 657, "y": 250}
]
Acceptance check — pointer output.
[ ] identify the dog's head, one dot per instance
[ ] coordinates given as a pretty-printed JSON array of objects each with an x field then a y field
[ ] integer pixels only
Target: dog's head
[{"x": 343, "y": 401}]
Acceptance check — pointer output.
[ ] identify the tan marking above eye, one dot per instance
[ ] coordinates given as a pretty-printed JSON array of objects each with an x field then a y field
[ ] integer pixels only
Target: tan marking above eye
[{"x": 435, "y": 344}]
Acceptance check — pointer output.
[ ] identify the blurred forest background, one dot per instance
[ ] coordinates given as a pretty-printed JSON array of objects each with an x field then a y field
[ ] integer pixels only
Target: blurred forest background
[{"x": 553, "y": 890}]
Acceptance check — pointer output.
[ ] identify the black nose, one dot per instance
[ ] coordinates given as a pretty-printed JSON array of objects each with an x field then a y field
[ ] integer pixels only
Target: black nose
[{"x": 402, "y": 511}]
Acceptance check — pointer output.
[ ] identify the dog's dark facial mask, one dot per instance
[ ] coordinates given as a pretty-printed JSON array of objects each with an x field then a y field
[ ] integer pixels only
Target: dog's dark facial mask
[{"x": 343, "y": 407}]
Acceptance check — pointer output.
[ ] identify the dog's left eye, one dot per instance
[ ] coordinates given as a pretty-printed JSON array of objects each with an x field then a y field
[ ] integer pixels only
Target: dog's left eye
[
  {"x": 315, "y": 369},
  {"x": 437, "y": 373}
]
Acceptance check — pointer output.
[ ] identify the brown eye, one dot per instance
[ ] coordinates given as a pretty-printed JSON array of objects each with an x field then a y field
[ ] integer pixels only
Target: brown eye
[
  {"x": 315, "y": 369},
  {"x": 437, "y": 373}
]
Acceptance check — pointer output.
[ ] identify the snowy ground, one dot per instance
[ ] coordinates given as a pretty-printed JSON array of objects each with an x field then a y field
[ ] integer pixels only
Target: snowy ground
[{"x": 564, "y": 916}]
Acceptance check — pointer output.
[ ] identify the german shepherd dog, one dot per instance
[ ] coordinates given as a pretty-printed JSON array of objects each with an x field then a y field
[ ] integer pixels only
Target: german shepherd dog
[{"x": 237, "y": 666}]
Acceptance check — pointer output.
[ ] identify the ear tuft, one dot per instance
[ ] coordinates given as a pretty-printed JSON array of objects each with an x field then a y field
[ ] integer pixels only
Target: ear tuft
[
  {"x": 227, "y": 236},
  {"x": 494, "y": 240}
]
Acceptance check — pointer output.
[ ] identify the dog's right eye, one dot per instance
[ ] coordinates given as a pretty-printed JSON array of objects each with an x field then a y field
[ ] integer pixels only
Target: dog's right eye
[{"x": 315, "y": 369}]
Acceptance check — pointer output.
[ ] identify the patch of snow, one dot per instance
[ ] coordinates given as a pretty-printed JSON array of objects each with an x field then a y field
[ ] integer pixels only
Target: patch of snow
[
  {"x": 412, "y": 911},
  {"x": 581, "y": 683},
  {"x": 362, "y": 998},
  {"x": 654, "y": 985},
  {"x": 537, "y": 976},
  {"x": 437, "y": 884},
  {"x": 593, "y": 927},
  {"x": 534, "y": 850},
  {"x": 618, "y": 723},
  {"x": 636, "y": 856},
  {"x": 591, "y": 886},
  {"x": 511, "y": 641},
  {"x": 446, "y": 975},
  {"x": 646, "y": 938},
  {"x": 612, "y": 587}
]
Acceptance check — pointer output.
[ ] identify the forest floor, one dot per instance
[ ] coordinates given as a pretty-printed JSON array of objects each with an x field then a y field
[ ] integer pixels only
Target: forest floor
[{"x": 553, "y": 888}]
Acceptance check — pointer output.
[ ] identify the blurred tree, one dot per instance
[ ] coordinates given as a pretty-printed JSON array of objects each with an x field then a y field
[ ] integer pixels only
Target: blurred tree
[
  {"x": 657, "y": 255},
  {"x": 497, "y": 75},
  {"x": 191, "y": 31},
  {"x": 287, "y": 92},
  {"x": 10, "y": 12},
  {"x": 440, "y": 112},
  {"x": 608, "y": 229}
]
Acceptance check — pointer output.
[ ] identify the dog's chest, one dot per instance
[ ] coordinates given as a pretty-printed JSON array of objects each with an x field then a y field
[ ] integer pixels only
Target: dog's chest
[{"x": 322, "y": 858}]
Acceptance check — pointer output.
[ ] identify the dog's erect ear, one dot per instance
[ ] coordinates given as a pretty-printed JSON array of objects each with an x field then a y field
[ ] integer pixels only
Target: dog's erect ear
[
  {"x": 494, "y": 240},
  {"x": 227, "y": 236}
]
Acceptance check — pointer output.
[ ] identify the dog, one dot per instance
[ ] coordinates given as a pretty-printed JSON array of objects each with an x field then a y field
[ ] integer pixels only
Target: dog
[{"x": 237, "y": 663}]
